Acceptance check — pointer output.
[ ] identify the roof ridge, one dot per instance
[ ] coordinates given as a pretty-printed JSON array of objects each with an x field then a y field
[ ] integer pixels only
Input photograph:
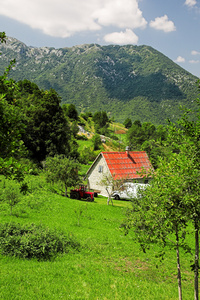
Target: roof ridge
[{"x": 120, "y": 151}]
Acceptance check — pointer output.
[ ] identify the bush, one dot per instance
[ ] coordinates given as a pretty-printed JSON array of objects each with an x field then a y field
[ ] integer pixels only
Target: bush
[
  {"x": 31, "y": 167},
  {"x": 32, "y": 241},
  {"x": 11, "y": 195}
]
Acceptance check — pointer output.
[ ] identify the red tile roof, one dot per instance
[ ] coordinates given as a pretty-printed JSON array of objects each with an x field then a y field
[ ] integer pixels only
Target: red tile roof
[{"x": 127, "y": 165}]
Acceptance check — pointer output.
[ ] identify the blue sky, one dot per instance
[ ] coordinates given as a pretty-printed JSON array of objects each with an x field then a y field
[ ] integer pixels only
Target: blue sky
[{"x": 171, "y": 26}]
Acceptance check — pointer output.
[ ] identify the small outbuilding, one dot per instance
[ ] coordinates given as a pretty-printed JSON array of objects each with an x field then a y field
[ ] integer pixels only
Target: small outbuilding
[{"x": 118, "y": 165}]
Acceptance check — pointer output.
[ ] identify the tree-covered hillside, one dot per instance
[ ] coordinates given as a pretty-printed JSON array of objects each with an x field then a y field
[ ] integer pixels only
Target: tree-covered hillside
[{"x": 136, "y": 82}]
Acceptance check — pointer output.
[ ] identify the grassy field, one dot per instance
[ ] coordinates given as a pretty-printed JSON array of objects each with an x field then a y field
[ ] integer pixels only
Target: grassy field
[{"x": 109, "y": 265}]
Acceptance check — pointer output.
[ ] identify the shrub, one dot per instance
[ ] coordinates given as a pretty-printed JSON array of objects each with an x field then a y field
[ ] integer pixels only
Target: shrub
[
  {"x": 10, "y": 195},
  {"x": 32, "y": 241},
  {"x": 31, "y": 167}
]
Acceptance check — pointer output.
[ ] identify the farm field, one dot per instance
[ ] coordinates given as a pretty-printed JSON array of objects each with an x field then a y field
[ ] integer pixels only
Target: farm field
[{"x": 108, "y": 265}]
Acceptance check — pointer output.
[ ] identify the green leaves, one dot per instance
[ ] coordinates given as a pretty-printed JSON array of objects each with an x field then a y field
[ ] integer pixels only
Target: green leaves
[
  {"x": 11, "y": 129},
  {"x": 147, "y": 137},
  {"x": 47, "y": 130},
  {"x": 3, "y": 37},
  {"x": 11, "y": 195},
  {"x": 11, "y": 145},
  {"x": 34, "y": 241},
  {"x": 96, "y": 139},
  {"x": 11, "y": 168},
  {"x": 172, "y": 200},
  {"x": 62, "y": 169}
]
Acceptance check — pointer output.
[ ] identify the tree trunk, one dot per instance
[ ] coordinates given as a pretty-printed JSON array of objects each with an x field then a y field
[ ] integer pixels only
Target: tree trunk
[
  {"x": 178, "y": 266},
  {"x": 109, "y": 197},
  {"x": 196, "y": 262}
]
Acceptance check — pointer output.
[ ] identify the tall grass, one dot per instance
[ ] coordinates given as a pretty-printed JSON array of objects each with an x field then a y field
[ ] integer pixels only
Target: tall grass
[{"x": 109, "y": 264}]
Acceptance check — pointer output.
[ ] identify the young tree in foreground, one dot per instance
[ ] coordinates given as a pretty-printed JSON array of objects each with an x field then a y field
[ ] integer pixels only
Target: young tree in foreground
[
  {"x": 10, "y": 195},
  {"x": 62, "y": 169},
  {"x": 111, "y": 185},
  {"x": 191, "y": 129},
  {"x": 169, "y": 204}
]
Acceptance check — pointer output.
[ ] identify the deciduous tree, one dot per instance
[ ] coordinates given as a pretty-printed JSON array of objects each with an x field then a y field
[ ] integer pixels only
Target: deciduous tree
[
  {"x": 128, "y": 123},
  {"x": 62, "y": 169},
  {"x": 11, "y": 128},
  {"x": 70, "y": 111},
  {"x": 111, "y": 185},
  {"x": 172, "y": 200},
  {"x": 47, "y": 130}
]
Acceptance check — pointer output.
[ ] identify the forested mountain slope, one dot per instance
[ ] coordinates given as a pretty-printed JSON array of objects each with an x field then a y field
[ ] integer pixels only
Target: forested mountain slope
[{"x": 126, "y": 81}]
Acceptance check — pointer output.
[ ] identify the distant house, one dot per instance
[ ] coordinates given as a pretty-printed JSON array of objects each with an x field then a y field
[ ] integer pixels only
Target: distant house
[{"x": 120, "y": 165}]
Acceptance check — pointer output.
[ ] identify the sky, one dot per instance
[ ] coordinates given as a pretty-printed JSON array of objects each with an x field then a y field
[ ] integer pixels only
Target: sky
[{"x": 170, "y": 26}]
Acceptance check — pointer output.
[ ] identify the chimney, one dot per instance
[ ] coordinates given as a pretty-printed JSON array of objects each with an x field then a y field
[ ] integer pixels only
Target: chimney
[{"x": 127, "y": 150}]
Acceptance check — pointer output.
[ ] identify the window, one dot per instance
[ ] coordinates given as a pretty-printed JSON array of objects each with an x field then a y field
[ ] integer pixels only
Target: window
[{"x": 100, "y": 169}]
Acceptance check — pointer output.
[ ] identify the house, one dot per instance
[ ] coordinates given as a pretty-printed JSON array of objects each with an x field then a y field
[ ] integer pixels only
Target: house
[{"x": 119, "y": 165}]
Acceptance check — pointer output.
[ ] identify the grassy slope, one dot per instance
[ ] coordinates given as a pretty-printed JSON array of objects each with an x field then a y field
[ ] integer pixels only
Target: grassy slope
[{"x": 109, "y": 265}]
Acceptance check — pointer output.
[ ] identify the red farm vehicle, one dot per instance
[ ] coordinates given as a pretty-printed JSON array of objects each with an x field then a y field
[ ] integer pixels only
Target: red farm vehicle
[{"x": 81, "y": 192}]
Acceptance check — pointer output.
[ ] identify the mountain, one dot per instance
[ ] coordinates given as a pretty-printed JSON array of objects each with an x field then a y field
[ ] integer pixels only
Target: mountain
[{"x": 126, "y": 81}]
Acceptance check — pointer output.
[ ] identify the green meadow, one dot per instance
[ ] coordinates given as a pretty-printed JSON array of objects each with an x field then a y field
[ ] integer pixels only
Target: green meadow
[{"x": 107, "y": 265}]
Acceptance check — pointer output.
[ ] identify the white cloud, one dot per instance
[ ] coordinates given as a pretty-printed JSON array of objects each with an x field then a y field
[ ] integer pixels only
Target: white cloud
[
  {"x": 163, "y": 23},
  {"x": 194, "y": 52},
  {"x": 190, "y": 3},
  {"x": 194, "y": 61},
  {"x": 122, "y": 38},
  {"x": 121, "y": 13},
  {"x": 60, "y": 18},
  {"x": 63, "y": 18},
  {"x": 180, "y": 59}
]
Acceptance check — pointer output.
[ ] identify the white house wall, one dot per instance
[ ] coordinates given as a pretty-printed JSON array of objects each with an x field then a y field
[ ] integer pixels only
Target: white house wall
[{"x": 97, "y": 174}]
